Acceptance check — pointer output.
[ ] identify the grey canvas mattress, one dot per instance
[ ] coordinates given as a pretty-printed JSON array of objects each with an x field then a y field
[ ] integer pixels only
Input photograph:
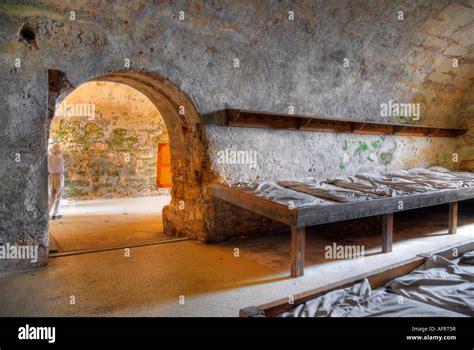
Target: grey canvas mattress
[
  {"x": 442, "y": 283},
  {"x": 366, "y": 186},
  {"x": 438, "y": 288}
]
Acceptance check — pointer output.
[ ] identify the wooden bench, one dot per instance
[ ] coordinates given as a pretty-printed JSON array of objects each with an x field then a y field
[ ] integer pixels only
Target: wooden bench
[{"x": 300, "y": 218}]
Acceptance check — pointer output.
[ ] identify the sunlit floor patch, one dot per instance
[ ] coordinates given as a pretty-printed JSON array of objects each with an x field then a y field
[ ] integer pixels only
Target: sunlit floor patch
[{"x": 105, "y": 223}]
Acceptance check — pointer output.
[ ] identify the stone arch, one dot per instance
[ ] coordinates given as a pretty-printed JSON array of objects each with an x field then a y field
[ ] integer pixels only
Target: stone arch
[{"x": 185, "y": 215}]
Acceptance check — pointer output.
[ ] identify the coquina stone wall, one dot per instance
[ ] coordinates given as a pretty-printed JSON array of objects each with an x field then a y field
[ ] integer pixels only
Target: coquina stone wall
[
  {"x": 110, "y": 135},
  {"x": 465, "y": 143},
  {"x": 328, "y": 58}
]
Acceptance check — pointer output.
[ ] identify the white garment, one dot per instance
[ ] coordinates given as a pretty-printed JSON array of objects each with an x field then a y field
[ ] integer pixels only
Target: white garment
[
  {"x": 55, "y": 182},
  {"x": 55, "y": 192},
  {"x": 55, "y": 164}
]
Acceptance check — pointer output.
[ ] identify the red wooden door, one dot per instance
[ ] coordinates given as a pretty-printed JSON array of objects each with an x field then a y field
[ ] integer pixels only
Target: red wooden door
[{"x": 163, "y": 171}]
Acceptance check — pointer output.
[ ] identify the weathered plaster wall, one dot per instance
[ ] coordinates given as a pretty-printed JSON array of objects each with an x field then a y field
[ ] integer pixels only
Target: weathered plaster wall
[
  {"x": 325, "y": 155},
  {"x": 110, "y": 134},
  {"x": 282, "y": 63},
  {"x": 427, "y": 58}
]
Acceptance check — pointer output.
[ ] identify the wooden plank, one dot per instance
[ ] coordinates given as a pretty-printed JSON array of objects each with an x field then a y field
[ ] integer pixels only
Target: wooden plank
[
  {"x": 264, "y": 122},
  {"x": 453, "y": 218},
  {"x": 387, "y": 232},
  {"x": 377, "y": 278},
  {"x": 262, "y": 206},
  {"x": 380, "y": 279},
  {"x": 410, "y": 131},
  {"x": 252, "y": 311},
  {"x": 324, "y": 126},
  {"x": 372, "y": 129},
  {"x": 323, "y": 214},
  {"x": 455, "y": 250},
  {"x": 297, "y": 251},
  {"x": 259, "y": 119},
  {"x": 232, "y": 115}
]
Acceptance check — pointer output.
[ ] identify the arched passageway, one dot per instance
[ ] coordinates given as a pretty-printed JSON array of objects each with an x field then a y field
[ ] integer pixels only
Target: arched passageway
[
  {"x": 185, "y": 215},
  {"x": 117, "y": 178}
]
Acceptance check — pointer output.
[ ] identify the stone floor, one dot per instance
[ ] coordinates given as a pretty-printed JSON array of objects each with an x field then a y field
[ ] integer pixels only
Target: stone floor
[
  {"x": 212, "y": 280},
  {"x": 96, "y": 224}
]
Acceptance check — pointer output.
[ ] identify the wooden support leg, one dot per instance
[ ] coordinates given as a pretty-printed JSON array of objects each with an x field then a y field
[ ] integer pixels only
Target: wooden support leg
[
  {"x": 387, "y": 232},
  {"x": 297, "y": 251},
  {"x": 453, "y": 217}
]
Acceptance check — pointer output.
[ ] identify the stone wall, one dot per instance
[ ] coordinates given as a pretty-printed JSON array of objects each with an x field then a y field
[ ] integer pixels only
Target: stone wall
[
  {"x": 110, "y": 134},
  {"x": 465, "y": 143},
  {"x": 334, "y": 59}
]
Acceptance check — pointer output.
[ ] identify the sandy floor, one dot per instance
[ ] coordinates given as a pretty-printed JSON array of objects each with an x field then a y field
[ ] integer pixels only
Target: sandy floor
[
  {"x": 107, "y": 223},
  {"x": 212, "y": 280}
]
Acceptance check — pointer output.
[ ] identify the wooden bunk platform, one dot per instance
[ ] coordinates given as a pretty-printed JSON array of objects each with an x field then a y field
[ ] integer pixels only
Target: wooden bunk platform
[
  {"x": 300, "y": 218},
  {"x": 377, "y": 278}
]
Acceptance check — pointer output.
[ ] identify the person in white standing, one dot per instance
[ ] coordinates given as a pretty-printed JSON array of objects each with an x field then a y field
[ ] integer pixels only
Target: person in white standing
[{"x": 55, "y": 180}]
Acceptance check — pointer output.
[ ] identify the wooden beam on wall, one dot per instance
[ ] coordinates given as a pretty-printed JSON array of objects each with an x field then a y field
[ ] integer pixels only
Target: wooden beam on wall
[
  {"x": 308, "y": 124},
  {"x": 256, "y": 119}
]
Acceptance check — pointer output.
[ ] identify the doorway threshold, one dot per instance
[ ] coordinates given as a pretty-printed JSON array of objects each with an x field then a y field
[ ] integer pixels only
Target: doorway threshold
[{"x": 55, "y": 254}]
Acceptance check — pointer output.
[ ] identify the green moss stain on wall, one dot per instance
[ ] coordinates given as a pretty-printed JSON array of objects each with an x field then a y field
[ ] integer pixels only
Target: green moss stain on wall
[
  {"x": 362, "y": 154},
  {"x": 123, "y": 141},
  {"x": 377, "y": 144},
  {"x": 30, "y": 11},
  {"x": 386, "y": 158},
  {"x": 113, "y": 153},
  {"x": 363, "y": 146}
]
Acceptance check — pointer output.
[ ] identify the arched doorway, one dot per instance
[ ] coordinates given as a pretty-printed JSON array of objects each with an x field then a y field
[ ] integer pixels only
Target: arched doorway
[
  {"x": 185, "y": 215},
  {"x": 117, "y": 178}
]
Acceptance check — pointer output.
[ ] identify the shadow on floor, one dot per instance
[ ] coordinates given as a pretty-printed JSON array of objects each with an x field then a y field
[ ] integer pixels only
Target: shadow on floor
[{"x": 274, "y": 251}]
